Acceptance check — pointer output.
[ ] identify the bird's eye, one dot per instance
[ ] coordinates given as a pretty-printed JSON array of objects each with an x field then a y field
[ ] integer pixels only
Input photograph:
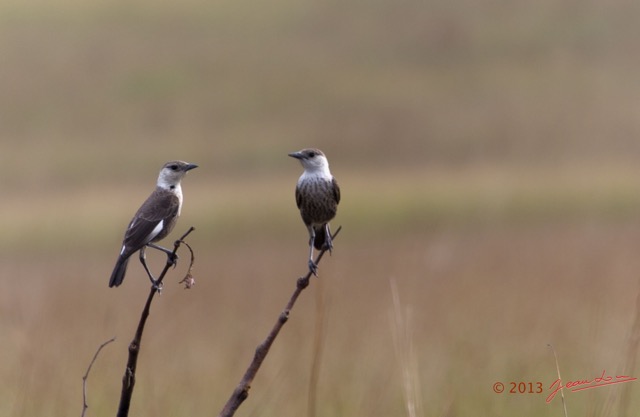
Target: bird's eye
[
  {"x": 173, "y": 167},
  {"x": 312, "y": 154}
]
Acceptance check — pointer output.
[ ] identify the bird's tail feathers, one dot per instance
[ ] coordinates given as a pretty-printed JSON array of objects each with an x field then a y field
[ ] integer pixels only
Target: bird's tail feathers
[
  {"x": 321, "y": 237},
  {"x": 117, "y": 276}
]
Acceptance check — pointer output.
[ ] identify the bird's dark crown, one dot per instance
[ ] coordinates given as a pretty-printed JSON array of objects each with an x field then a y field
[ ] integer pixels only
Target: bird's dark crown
[
  {"x": 308, "y": 153},
  {"x": 179, "y": 166}
]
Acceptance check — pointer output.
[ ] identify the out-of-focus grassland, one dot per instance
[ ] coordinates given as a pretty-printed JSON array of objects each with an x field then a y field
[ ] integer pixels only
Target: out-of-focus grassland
[{"x": 488, "y": 158}]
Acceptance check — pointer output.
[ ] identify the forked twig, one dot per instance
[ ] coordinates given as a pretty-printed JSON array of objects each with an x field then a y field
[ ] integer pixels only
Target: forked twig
[
  {"x": 86, "y": 376},
  {"x": 241, "y": 392},
  {"x": 188, "y": 279},
  {"x": 129, "y": 378}
]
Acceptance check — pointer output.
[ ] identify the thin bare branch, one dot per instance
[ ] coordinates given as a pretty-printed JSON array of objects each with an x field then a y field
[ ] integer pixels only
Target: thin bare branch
[
  {"x": 129, "y": 378},
  {"x": 241, "y": 392},
  {"x": 86, "y": 376},
  {"x": 318, "y": 345}
]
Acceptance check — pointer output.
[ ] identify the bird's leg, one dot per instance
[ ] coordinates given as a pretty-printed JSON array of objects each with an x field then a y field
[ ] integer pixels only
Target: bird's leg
[
  {"x": 172, "y": 258},
  {"x": 143, "y": 261},
  {"x": 313, "y": 268},
  {"x": 328, "y": 242}
]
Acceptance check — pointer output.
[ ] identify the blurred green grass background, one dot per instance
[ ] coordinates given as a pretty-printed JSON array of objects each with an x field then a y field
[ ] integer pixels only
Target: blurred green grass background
[{"x": 488, "y": 159}]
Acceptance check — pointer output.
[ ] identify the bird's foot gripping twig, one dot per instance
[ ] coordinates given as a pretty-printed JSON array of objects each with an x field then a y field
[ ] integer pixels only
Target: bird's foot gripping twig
[
  {"x": 328, "y": 241},
  {"x": 172, "y": 262},
  {"x": 157, "y": 286},
  {"x": 172, "y": 256},
  {"x": 313, "y": 268},
  {"x": 172, "y": 259}
]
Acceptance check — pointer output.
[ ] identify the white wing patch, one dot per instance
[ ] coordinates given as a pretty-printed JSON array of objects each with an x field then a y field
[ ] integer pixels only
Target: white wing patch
[{"x": 155, "y": 231}]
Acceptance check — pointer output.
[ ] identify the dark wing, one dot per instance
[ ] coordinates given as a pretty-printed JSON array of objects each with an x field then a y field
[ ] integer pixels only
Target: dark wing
[
  {"x": 298, "y": 197},
  {"x": 160, "y": 206},
  {"x": 336, "y": 190}
]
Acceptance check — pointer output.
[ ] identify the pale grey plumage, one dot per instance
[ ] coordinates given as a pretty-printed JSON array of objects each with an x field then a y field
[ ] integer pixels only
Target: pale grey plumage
[{"x": 154, "y": 220}]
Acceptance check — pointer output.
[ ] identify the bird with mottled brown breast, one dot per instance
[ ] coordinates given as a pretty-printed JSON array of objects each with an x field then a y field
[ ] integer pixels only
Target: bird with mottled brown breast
[{"x": 317, "y": 197}]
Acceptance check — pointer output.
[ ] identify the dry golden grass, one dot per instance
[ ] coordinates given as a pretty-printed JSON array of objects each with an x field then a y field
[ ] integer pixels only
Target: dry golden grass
[
  {"x": 485, "y": 304},
  {"x": 493, "y": 264}
]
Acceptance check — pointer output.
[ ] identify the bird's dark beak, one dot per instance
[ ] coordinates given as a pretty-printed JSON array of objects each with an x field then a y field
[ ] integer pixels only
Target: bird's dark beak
[
  {"x": 297, "y": 155},
  {"x": 189, "y": 167}
]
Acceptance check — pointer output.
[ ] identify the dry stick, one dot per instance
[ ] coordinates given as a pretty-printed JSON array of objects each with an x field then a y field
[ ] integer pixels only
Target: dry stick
[
  {"x": 318, "y": 339},
  {"x": 86, "y": 376},
  {"x": 242, "y": 390},
  {"x": 188, "y": 280},
  {"x": 129, "y": 378}
]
